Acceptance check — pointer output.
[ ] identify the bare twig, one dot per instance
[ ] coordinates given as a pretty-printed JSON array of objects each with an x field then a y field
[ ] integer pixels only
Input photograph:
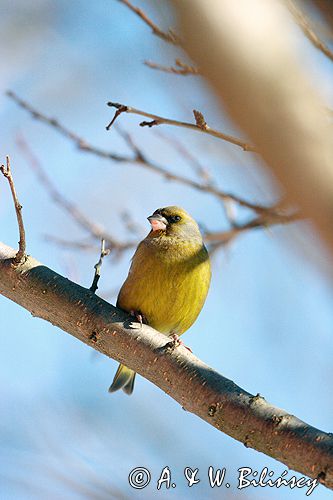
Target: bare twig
[
  {"x": 216, "y": 239},
  {"x": 168, "y": 36},
  {"x": 6, "y": 170},
  {"x": 267, "y": 216},
  {"x": 77, "y": 140},
  {"x": 131, "y": 225},
  {"x": 204, "y": 187},
  {"x": 98, "y": 266},
  {"x": 158, "y": 120},
  {"x": 201, "y": 171},
  {"x": 303, "y": 23},
  {"x": 230, "y": 210},
  {"x": 95, "y": 230},
  {"x": 87, "y": 246},
  {"x": 180, "y": 68},
  {"x": 220, "y": 238},
  {"x": 139, "y": 158}
]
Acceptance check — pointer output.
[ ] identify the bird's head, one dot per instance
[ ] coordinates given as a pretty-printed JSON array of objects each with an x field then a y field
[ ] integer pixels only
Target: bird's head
[{"x": 173, "y": 221}]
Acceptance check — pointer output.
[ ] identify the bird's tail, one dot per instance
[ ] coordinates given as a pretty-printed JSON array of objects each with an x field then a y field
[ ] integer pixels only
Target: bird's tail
[{"x": 123, "y": 379}]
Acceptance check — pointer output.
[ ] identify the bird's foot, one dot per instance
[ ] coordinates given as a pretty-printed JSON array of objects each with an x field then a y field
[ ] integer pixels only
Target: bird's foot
[
  {"x": 176, "y": 341},
  {"x": 139, "y": 317}
]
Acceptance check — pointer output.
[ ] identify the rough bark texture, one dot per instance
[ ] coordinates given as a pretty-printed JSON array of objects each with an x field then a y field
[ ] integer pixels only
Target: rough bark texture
[{"x": 197, "y": 387}]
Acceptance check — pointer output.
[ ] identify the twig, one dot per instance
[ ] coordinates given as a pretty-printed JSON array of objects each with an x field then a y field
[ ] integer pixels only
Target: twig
[
  {"x": 21, "y": 255},
  {"x": 303, "y": 23},
  {"x": 216, "y": 239},
  {"x": 95, "y": 230},
  {"x": 158, "y": 120},
  {"x": 201, "y": 171},
  {"x": 73, "y": 244},
  {"x": 98, "y": 266},
  {"x": 204, "y": 187},
  {"x": 221, "y": 238},
  {"x": 180, "y": 69},
  {"x": 131, "y": 225},
  {"x": 77, "y": 140},
  {"x": 168, "y": 36},
  {"x": 230, "y": 211},
  {"x": 139, "y": 158}
]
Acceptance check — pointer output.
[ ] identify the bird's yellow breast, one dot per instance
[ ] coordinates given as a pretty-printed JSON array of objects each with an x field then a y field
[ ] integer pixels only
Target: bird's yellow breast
[{"x": 168, "y": 283}]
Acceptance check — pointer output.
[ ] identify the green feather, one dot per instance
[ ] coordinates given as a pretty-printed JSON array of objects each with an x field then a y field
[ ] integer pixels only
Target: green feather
[
  {"x": 168, "y": 281},
  {"x": 123, "y": 379}
]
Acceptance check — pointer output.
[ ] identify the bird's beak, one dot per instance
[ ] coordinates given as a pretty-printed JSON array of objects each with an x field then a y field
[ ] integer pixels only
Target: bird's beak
[{"x": 158, "y": 222}]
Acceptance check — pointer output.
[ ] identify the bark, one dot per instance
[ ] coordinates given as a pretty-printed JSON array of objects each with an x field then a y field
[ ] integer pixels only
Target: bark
[{"x": 194, "y": 385}]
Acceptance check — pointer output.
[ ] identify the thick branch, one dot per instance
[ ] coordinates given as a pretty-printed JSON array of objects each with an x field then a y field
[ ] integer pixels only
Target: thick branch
[{"x": 196, "y": 386}]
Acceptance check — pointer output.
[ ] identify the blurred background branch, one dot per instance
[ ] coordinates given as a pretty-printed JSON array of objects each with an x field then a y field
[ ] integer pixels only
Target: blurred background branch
[
  {"x": 268, "y": 215},
  {"x": 308, "y": 30},
  {"x": 297, "y": 144},
  {"x": 167, "y": 36},
  {"x": 180, "y": 68}
]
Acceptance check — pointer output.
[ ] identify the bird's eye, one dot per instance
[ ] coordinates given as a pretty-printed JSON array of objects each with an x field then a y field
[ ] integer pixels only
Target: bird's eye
[{"x": 174, "y": 218}]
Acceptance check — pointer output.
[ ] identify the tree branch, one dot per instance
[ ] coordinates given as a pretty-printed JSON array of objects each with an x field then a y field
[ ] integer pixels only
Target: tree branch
[
  {"x": 98, "y": 266},
  {"x": 64, "y": 131},
  {"x": 180, "y": 68},
  {"x": 168, "y": 36},
  {"x": 94, "y": 229},
  {"x": 219, "y": 238},
  {"x": 303, "y": 23},
  {"x": 194, "y": 385},
  {"x": 138, "y": 158},
  {"x": 6, "y": 171},
  {"x": 266, "y": 215},
  {"x": 158, "y": 120},
  {"x": 249, "y": 57},
  {"x": 215, "y": 239}
]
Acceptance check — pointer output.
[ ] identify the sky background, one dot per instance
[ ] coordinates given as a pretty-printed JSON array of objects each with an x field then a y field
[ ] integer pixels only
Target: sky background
[{"x": 267, "y": 322}]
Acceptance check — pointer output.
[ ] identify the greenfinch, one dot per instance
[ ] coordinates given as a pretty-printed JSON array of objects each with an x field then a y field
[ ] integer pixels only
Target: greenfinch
[{"x": 168, "y": 280}]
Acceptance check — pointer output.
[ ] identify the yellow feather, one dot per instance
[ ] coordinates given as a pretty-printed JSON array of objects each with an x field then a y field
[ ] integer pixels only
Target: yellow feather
[{"x": 170, "y": 275}]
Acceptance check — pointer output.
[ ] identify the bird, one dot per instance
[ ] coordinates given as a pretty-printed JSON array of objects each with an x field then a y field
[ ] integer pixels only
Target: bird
[{"x": 168, "y": 280}]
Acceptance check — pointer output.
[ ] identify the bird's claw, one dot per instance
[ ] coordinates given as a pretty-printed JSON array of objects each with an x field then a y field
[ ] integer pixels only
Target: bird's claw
[
  {"x": 139, "y": 317},
  {"x": 176, "y": 341}
]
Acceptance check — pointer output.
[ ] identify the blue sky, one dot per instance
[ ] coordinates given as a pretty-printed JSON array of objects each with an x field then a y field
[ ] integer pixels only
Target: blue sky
[{"x": 267, "y": 323}]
